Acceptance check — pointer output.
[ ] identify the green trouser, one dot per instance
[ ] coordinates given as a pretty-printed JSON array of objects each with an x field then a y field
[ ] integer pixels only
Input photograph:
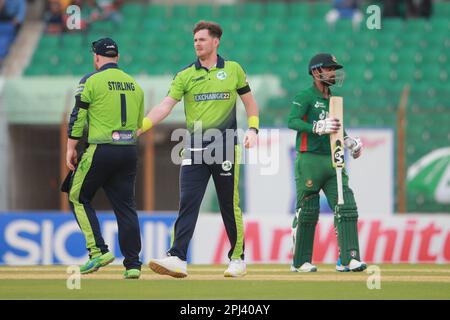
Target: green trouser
[{"x": 314, "y": 172}]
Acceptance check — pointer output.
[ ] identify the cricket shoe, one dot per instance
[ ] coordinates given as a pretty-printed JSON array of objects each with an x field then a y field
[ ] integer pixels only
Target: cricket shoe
[
  {"x": 132, "y": 274},
  {"x": 96, "y": 263},
  {"x": 236, "y": 268},
  {"x": 171, "y": 266},
  {"x": 357, "y": 266},
  {"x": 340, "y": 267},
  {"x": 306, "y": 267}
]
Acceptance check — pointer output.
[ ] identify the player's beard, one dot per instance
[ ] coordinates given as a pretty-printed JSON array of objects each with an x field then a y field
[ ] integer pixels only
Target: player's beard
[{"x": 329, "y": 79}]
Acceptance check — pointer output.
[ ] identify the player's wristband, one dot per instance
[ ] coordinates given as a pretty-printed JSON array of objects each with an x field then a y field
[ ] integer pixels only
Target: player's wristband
[
  {"x": 253, "y": 122},
  {"x": 146, "y": 124}
]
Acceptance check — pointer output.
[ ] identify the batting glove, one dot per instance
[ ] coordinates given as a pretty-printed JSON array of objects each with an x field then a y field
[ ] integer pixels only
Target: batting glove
[
  {"x": 327, "y": 126},
  {"x": 354, "y": 145}
]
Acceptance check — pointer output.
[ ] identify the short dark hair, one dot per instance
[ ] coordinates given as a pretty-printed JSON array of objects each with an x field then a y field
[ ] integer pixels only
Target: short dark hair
[{"x": 214, "y": 28}]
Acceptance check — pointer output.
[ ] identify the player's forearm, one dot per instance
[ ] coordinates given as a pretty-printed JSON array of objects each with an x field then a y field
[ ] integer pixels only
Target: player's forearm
[
  {"x": 250, "y": 105},
  {"x": 71, "y": 144},
  {"x": 158, "y": 113},
  {"x": 299, "y": 125},
  {"x": 251, "y": 108}
]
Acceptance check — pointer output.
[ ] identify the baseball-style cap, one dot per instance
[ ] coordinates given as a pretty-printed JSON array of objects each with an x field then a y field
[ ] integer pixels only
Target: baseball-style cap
[
  {"x": 105, "y": 47},
  {"x": 323, "y": 60}
]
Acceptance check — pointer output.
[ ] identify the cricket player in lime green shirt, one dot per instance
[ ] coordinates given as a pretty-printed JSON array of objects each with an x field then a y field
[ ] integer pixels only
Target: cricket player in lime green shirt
[
  {"x": 209, "y": 87},
  {"x": 314, "y": 170},
  {"x": 112, "y": 104}
]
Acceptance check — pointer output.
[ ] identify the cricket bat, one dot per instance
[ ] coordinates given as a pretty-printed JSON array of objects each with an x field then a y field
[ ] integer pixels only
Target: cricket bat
[{"x": 337, "y": 143}]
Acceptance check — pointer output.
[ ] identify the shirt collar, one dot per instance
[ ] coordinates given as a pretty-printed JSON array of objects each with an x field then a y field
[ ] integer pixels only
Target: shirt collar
[
  {"x": 108, "y": 66},
  {"x": 318, "y": 92},
  {"x": 220, "y": 63}
]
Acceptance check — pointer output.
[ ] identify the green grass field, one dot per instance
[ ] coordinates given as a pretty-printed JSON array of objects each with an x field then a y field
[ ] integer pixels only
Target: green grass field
[{"x": 207, "y": 282}]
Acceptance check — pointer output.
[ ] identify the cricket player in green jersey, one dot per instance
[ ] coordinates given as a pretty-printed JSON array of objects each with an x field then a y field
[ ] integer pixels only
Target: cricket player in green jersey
[
  {"x": 314, "y": 170},
  {"x": 209, "y": 87},
  {"x": 112, "y": 104}
]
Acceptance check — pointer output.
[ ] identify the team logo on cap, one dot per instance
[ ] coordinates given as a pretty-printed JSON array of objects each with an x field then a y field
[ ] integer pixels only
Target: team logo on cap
[
  {"x": 333, "y": 58},
  {"x": 221, "y": 75}
]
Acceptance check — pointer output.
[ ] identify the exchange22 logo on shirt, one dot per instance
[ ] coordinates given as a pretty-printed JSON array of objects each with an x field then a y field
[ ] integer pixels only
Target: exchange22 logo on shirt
[{"x": 212, "y": 96}]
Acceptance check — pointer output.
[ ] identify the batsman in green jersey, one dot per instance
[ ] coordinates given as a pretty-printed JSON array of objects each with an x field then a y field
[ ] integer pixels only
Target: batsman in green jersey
[{"x": 314, "y": 170}]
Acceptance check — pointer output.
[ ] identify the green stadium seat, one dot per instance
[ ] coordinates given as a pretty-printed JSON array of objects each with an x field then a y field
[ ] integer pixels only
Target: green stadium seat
[
  {"x": 52, "y": 41},
  {"x": 104, "y": 26},
  {"x": 273, "y": 26},
  {"x": 149, "y": 26},
  {"x": 441, "y": 9},
  {"x": 298, "y": 9},
  {"x": 75, "y": 39},
  {"x": 258, "y": 68},
  {"x": 228, "y": 11},
  {"x": 434, "y": 73},
  {"x": 382, "y": 39},
  {"x": 343, "y": 26},
  {"x": 352, "y": 58},
  {"x": 294, "y": 24},
  {"x": 205, "y": 12},
  {"x": 319, "y": 9},
  {"x": 130, "y": 26},
  {"x": 277, "y": 10},
  {"x": 409, "y": 40},
  {"x": 392, "y": 25},
  {"x": 280, "y": 39},
  {"x": 180, "y": 11},
  {"x": 156, "y": 11},
  {"x": 251, "y": 10},
  {"x": 132, "y": 11},
  {"x": 247, "y": 39},
  {"x": 289, "y": 40},
  {"x": 420, "y": 26},
  {"x": 436, "y": 40},
  {"x": 315, "y": 28}
]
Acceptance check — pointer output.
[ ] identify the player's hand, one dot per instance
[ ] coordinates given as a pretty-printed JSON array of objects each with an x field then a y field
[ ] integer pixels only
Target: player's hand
[
  {"x": 138, "y": 132},
  {"x": 327, "y": 126},
  {"x": 71, "y": 159},
  {"x": 251, "y": 138},
  {"x": 355, "y": 145}
]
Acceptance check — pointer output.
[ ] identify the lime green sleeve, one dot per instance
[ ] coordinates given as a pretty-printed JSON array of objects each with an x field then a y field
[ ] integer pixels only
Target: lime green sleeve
[
  {"x": 299, "y": 109},
  {"x": 242, "y": 85},
  {"x": 79, "y": 113},
  {"x": 141, "y": 111},
  {"x": 176, "y": 90}
]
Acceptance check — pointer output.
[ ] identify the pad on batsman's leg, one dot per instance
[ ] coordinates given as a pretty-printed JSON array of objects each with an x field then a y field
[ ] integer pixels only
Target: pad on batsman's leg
[
  {"x": 308, "y": 215},
  {"x": 346, "y": 226}
]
